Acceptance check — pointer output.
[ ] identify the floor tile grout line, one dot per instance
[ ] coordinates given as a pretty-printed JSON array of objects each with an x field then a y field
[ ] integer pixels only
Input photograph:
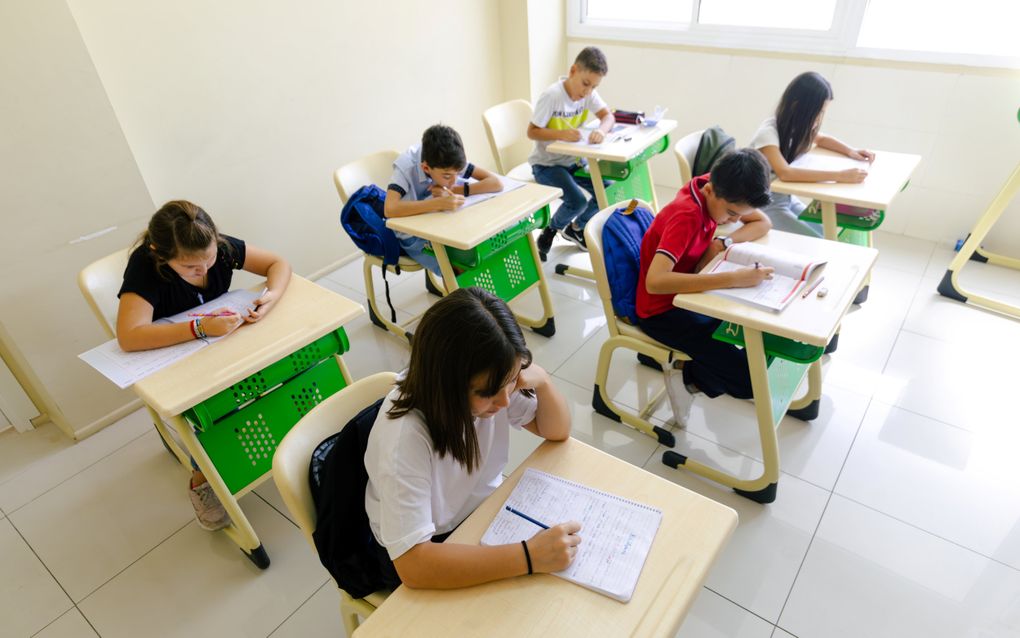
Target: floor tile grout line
[
  {"x": 298, "y": 608},
  {"x": 87, "y": 467},
  {"x": 275, "y": 509},
  {"x": 43, "y": 563},
  {"x": 825, "y": 508},
  {"x": 736, "y": 604},
  {"x": 132, "y": 563}
]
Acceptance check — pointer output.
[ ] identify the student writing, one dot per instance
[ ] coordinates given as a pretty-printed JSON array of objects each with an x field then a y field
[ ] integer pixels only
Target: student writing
[
  {"x": 182, "y": 261},
  {"x": 429, "y": 177},
  {"x": 560, "y": 111},
  {"x": 677, "y": 245},
  {"x": 791, "y": 133}
]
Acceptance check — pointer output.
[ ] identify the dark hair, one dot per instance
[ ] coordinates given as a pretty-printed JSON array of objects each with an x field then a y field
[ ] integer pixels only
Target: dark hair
[
  {"x": 464, "y": 334},
  {"x": 441, "y": 147},
  {"x": 798, "y": 109},
  {"x": 742, "y": 177},
  {"x": 179, "y": 228},
  {"x": 592, "y": 59}
]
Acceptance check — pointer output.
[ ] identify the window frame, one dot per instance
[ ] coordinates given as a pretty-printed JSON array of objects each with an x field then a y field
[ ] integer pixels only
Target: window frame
[{"x": 839, "y": 41}]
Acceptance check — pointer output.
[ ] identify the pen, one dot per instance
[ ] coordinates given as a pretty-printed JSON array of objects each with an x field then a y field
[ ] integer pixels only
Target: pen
[
  {"x": 526, "y": 517},
  {"x": 757, "y": 265},
  {"x": 812, "y": 288}
]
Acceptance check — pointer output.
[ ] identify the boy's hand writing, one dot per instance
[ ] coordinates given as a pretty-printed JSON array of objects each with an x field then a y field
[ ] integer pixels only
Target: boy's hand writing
[
  {"x": 447, "y": 200},
  {"x": 747, "y": 277},
  {"x": 554, "y": 549},
  {"x": 570, "y": 135},
  {"x": 596, "y": 137},
  {"x": 851, "y": 176},
  {"x": 219, "y": 326}
]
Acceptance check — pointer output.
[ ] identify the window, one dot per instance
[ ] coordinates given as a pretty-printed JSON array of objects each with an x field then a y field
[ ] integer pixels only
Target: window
[{"x": 975, "y": 32}]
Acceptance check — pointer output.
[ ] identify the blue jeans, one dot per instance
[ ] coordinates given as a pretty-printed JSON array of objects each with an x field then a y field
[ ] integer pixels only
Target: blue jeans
[
  {"x": 576, "y": 206},
  {"x": 415, "y": 249},
  {"x": 784, "y": 211},
  {"x": 716, "y": 367}
]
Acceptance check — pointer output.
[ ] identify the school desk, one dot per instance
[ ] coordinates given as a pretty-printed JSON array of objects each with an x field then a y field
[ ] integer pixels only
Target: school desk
[
  {"x": 693, "y": 532},
  {"x": 489, "y": 245},
  {"x": 233, "y": 401},
  {"x": 972, "y": 250},
  {"x": 782, "y": 347},
  {"x": 624, "y": 163}
]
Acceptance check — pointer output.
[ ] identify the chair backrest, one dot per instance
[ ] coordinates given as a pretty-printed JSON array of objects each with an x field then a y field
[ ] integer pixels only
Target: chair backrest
[
  {"x": 685, "y": 149},
  {"x": 371, "y": 169},
  {"x": 294, "y": 453},
  {"x": 100, "y": 282},
  {"x": 593, "y": 239},
  {"x": 506, "y": 125}
]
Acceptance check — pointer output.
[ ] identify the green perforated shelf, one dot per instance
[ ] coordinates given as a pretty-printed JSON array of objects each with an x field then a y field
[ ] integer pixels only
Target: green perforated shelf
[
  {"x": 813, "y": 213},
  {"x": 506, "y": 273},
  {"x": 215, "y": 407},
  {"x": 780, "y": 347},
  {"x": 472, "y": 257},
  {"x": 241, "y": 444}
]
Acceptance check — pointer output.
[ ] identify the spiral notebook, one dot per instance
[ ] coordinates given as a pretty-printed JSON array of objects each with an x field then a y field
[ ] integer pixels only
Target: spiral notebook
[{"x": 616, "y": 533}]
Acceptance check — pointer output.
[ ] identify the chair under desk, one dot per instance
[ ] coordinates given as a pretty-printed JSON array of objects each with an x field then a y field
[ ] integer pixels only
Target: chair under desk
[
  {"x": 233, "y": 401},
  {"x": 782, "y": 347},
  {"x": 625, "y": 164},
  {"x": 489, "y": 245},
  {"x": 692, "y": 534}
]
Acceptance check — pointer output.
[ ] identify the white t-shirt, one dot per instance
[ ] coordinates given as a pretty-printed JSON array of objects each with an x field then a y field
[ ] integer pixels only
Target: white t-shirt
[
  {"x": 412, "y": 493},
  {"x": 766, "y": 135},
  {"x": 556, "y": 110}
]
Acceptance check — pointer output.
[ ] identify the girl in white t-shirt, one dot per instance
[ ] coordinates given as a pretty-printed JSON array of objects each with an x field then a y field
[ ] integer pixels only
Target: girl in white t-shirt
[
  {"x": 441, "y": 442},
  {"x": 791, "y": 133}
]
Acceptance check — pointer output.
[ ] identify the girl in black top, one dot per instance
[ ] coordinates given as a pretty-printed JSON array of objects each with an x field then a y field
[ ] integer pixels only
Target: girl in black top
[{"x": 182, "y": 261}]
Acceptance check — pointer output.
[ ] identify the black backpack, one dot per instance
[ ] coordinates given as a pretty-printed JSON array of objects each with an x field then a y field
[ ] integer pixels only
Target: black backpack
[
  {"x": 714, "y": 145},
  {"x": 343, "y": 538}
]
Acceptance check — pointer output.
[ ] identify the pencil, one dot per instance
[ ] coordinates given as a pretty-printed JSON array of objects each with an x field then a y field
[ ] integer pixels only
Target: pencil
[
  {"x": 526, "y": 517},
  {"x": 211, "y": 314}
]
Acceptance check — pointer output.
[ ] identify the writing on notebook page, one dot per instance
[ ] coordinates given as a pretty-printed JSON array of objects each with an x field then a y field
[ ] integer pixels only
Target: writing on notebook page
[
  {"x": 791, "y": 273},
  {"x": 616, "y": 533}
]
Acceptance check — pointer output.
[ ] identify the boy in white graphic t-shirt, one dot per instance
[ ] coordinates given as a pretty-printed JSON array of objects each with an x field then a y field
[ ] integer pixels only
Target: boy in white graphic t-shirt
[{"x": 560, "y": 111}]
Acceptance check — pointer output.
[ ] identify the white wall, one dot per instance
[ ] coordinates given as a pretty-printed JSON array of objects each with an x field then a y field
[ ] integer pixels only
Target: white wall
[
  {"x": 963, "y": 123},
  {"x": 112, "y": 108},
  {"x": 65, "y": 171}
]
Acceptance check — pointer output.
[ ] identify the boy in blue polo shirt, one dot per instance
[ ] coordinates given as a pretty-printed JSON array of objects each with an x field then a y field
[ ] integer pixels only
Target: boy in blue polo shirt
[
  {"x": 433, "y": 176},
  {"x": 562, "y": 109},
  {"x": 678, "y": 244}
]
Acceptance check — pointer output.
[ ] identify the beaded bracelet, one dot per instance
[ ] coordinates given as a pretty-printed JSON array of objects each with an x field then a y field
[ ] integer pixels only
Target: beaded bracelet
[
  {"x": 199, "y": 329},
  {"x": 191, "y": 324}
]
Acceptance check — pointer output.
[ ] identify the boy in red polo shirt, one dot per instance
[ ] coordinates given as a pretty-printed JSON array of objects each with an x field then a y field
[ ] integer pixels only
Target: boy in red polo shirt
[{"x": 677, "y": 246}]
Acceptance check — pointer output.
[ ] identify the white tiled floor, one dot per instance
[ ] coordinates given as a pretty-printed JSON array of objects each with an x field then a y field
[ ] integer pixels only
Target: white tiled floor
[{"x": 898, "y": 511}]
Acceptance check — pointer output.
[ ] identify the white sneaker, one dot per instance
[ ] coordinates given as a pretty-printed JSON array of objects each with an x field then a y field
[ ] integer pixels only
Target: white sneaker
[
  {"x": 208, "y": 509},
  {"x": 680, "y": 397}
]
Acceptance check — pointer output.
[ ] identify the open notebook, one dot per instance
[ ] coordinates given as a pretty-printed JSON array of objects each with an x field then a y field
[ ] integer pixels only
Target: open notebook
[
  {"x": 616, "y": 533},
  {"x": 127, "y": 368},
  {"x": 791, "y": 274}
]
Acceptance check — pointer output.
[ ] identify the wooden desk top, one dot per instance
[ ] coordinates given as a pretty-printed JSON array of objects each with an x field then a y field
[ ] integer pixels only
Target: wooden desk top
[
  {"x": 306, "y": 312},
  {"x": 886, "y": 177},
  {"x": 617, "y": 151},
  {"x": 813, "y": 320},
  {"x": 468, "y": 227},
  {"x": 694, "y": 529}
]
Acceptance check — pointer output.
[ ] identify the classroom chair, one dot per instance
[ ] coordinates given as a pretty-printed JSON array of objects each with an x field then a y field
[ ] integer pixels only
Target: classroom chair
[
  {"x": 622, "y": 334},
  {"x": 100, "y": 282},
  {"x": 506, "y": 125},
  {"x": 376, "y": 169},
  {"x": 292, "y": 459},
  {"x": 685, "y": 149}
]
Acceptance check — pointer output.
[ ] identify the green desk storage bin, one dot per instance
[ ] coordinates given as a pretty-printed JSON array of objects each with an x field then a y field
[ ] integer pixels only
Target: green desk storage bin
[
  {"x": 241, "y": 444},
  {"x": 219, "y": 405},
  {"x": 472, "y": 257},
  {"x": 813, "y": 213},
  {"x": 780, "y": 347},
  {"x": 505, "y": 274}
]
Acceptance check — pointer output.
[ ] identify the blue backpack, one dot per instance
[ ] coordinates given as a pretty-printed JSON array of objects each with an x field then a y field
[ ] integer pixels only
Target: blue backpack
[
  {"x": 364, "y": 220},
  {"x": 621, "y": 251}
]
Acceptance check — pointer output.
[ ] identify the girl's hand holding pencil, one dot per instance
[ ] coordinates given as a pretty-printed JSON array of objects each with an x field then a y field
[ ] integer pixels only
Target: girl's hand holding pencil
[{"x": 222, "y": 322}]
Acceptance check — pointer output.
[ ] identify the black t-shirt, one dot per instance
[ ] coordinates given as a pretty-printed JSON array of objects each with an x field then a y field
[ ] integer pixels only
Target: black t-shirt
[{"x": 167, "y": 292}]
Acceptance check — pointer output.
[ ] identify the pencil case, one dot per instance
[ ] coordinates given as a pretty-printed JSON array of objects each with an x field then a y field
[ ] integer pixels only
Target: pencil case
[{"x": 629, "y": 117}]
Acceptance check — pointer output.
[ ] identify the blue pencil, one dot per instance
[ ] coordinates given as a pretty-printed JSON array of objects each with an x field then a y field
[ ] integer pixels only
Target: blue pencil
[{"x": 526, "y": 517}]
